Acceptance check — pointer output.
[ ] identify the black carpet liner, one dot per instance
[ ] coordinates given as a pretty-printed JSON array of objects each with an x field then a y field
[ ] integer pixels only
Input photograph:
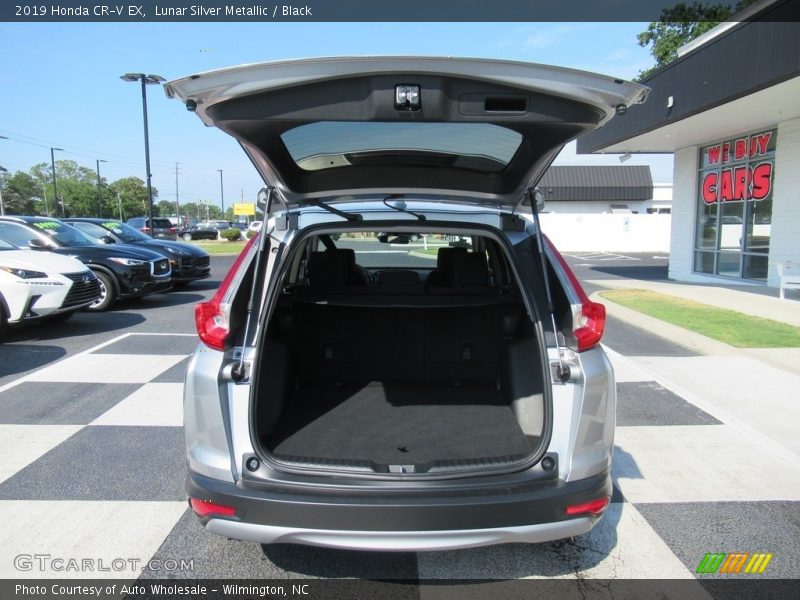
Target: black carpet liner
[{"x": 398, "y": 423}]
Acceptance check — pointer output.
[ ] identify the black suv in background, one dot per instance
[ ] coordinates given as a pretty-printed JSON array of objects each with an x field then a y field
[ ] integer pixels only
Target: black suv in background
[
  {"x": 123, "y": 271},
  {"x": 189, "y": 263},
  {"x": 163, "y": 229}
]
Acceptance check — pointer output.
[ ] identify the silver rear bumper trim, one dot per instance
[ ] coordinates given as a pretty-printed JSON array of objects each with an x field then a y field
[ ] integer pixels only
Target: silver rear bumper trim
[{"x": 400, "y": 540}]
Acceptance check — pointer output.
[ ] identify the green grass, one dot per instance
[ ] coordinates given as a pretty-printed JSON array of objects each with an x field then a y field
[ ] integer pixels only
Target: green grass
[
  {"x": 220, "y": 247},
  {"x": 728, "y": 326}
]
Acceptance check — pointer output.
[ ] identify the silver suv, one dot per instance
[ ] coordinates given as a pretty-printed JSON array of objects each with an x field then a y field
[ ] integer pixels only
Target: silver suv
[{"x": 401, "y": 361}]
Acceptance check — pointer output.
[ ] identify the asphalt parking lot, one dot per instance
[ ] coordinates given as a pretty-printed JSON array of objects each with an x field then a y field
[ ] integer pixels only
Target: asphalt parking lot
[{"x": 90, "y": 424}]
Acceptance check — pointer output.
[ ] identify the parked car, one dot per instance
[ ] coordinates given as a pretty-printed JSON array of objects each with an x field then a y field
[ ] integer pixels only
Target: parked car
[
  {"x": 204, "y": 230},
  {"x": 163, "y": 229},
  {"x": 189, "y": 263},
  {"x": 37, "y": 286},
  {"x": 400, "y": 406},
  {"x": 122, "y": 270},
  {"x": 254, "y": 226}
]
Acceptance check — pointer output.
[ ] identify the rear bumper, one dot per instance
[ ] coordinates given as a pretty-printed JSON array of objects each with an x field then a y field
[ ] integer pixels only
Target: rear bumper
[{"x": 379, "y": 521}]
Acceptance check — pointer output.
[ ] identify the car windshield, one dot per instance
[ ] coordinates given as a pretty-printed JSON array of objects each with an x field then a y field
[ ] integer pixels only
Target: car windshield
[
  {"x": 63, "y": 234},
  {"x": 399, "y": 251},
  {"x": 125, "y": 232}
]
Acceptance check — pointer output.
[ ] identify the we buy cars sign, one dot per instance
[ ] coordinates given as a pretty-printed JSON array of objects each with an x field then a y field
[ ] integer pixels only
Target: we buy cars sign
[{"x": 739, "y": 169}]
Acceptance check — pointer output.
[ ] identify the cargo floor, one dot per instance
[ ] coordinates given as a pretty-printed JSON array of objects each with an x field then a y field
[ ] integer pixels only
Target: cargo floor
[{"x": 398, "y": 424}]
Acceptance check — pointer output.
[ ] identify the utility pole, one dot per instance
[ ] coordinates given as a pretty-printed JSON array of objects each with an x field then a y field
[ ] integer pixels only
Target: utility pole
[
  {"x": 221, "y": 193},
  {"x": 177, "y": 200},
  {"x": 55, "y": 187},
  {"x": 119, "y": 204},
  {"x": 44, "y": 193},
  {"x": 99, "y": 199}
]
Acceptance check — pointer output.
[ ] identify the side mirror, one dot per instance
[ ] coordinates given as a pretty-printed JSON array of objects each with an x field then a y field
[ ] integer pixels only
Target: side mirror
[
  {"x": 37, "y": 244},
  {"x": 106, "y": 239}
]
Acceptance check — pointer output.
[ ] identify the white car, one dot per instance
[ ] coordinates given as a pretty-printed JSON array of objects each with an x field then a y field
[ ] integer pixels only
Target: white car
[{"x": 41, "y": 285}]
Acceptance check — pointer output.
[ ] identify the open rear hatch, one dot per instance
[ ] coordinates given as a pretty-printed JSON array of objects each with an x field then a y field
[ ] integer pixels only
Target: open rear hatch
[
  {"x": 465, "y": 384},
  {"x": 339, "y": 126}
]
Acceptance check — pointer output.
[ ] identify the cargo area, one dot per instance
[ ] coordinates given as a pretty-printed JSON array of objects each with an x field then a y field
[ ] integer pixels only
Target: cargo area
[{"x": 400, "y": 373}]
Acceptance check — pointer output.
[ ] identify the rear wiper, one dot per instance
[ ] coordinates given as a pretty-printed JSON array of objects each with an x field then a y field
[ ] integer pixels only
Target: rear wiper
[
  {"x": 401, "y": 206},
  {"x": 336, "y": 211}
]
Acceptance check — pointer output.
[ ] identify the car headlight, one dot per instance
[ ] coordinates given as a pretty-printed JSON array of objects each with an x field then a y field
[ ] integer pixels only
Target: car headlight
[
  {"x": 25, "y": 273},
  {"x": 128, "y": 262},
  {"x": 178, "y": 251}
]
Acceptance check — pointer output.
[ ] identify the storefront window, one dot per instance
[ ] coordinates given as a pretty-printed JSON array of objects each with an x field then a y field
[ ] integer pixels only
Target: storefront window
[{"x": 734, "y": 206}]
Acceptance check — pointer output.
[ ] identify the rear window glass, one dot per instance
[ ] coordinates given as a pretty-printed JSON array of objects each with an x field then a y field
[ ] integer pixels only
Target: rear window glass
[
  {"x": 375, "y": 250},
  {"x": 326, "y": 145}
]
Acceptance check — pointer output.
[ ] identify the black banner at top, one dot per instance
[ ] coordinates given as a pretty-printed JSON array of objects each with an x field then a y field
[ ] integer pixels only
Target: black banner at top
[{"x": 340, "y": 10}]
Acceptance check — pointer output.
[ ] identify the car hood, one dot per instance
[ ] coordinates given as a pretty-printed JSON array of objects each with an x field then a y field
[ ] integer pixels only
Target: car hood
[
  {"x": 106, "y": 251},
  {"x": 40, "y": 261},
  {"x": 331, "y": 127},
  {"x": 193, "y": 250}
]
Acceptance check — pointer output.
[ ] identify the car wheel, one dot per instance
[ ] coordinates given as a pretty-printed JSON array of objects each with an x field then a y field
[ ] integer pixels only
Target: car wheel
[
  {"x": 107, "y": 293},
  {"x": 187, "y": 237}
]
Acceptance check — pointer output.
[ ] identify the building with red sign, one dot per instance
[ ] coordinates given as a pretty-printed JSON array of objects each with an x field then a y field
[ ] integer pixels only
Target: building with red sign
[{"x": 729, "y": 110}]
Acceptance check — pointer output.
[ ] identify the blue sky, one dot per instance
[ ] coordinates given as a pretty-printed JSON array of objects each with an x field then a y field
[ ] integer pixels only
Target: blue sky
[{"x": 60, "y": 86}]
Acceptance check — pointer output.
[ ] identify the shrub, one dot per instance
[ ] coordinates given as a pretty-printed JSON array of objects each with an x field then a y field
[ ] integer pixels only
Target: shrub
[
  {"x": 250, "y": 234},
  {"x": 231, "y": 234}
]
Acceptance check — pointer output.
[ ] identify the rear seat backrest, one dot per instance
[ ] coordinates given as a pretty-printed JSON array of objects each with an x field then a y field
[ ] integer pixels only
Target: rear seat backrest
[
  {"x": 469, "y": 269},
  {"x": 328, "y": 268},
  {"x": 444, "y": 261}
]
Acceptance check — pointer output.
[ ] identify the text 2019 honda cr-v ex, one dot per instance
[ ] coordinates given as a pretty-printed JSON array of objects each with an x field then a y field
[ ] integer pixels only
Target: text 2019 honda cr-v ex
[{"x": 401, "y": 360}]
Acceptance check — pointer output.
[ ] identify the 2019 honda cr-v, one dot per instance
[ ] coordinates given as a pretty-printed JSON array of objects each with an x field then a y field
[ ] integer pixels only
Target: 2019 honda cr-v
[{"x": 400, "y": 360}]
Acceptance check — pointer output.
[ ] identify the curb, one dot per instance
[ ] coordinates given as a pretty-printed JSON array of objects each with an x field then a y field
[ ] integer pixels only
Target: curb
[{"x": 695, "y": 341}]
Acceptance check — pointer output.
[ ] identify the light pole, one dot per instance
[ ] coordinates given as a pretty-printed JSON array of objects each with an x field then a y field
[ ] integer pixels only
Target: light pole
[
  {"x": 2, "y": 206},
  {"x": 55, "y": 187},
  {"x": 145, "y": 80},
  {"x": 2, "y": 170},
  {"x": 99, "y": 199},
  {"x": 221, "y": 194}
]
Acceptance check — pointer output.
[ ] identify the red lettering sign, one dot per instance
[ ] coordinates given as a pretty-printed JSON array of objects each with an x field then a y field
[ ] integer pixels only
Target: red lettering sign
[
  {"x": 713, "y": 154},
  {"x": 740, "y": 149},
  {"x": 761, "y": 181},
  {"x": 710, "y": 188}
]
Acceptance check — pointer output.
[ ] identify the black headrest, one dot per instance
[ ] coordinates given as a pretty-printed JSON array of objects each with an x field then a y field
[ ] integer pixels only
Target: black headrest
[
  {"x": 349, "y": 254},
  {"x": 444, "y": 257},
  {"x": 469, "y": 269},
  {"x": 328, "y": 268}
]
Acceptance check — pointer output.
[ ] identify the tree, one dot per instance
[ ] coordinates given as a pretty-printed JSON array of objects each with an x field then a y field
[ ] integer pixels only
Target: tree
[
  {"x": 679, "y": 25},
  {"x": 166, "y": 208},
  {"x": 132, "y": 197},
  {"x": 20, "y": 192}
]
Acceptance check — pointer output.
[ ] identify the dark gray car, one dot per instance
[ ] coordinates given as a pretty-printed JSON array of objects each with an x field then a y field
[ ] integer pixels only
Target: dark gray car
[{"x": 163, "y": 229}]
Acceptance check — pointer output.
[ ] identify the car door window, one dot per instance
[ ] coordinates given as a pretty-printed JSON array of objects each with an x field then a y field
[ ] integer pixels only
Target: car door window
[
  {"x": 17, "y": 234},
  {"x": 90, "y": 229}
]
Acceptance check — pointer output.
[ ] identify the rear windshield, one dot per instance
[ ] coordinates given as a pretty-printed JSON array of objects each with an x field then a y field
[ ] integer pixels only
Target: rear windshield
[
  {"x": 400, "y": 251},
  {"x": 476, "y": 146}
]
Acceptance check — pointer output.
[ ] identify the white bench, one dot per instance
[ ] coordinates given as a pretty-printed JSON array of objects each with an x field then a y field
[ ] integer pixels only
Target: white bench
[{"x": 789, "y": 273}]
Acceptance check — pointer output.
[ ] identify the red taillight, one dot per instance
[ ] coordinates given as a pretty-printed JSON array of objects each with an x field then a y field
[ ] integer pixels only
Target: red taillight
[
  {"x": 145, "y": 229},
  {"x": 212, "y": 326},
  {"x": 173, "y": 229},
  {"x": 589, "y": 331},
  {"x": 593, "y": 507},
  {"x": 206, "y": 508}
]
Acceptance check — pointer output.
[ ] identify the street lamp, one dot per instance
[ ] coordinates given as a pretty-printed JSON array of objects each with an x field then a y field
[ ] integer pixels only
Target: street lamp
[
  {"x": 2, "y": 206},
  {"x": 99, "y": 199},
  {"x": 55, "y": 187},
  {"x": 145, "y": 81},
  {"x": 2, "y": 170},
  {"x": 221, "y": 193}
]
